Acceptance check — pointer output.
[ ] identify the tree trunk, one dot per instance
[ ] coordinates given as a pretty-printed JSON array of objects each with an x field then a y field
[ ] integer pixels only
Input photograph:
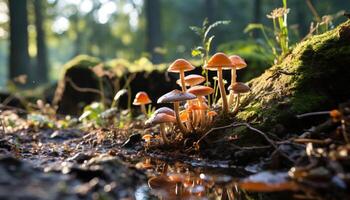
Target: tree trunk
[
  {"x": 257, "y": 15},
  {"x": 42, "y": 64},
  {"x": 19, "y": 56},
  {"x": 154, "y": 34}
]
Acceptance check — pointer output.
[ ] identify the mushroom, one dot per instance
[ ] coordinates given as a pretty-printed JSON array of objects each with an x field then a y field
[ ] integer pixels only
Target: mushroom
[
  {"x": 165, "y": 110},
  {"x": 161, "y": 119},
  {"x": 147, "y": 138},
  {"x": 219, "y": 62},
  {"x": 238, "y": 88},
  {"x": 211, "y": 114},
  {"x": 238, "y": 63},
  {"x": 181, "y": 66},
  {"x": 192, "y": 80},
  {"x": 141, "y": 99},
  {"x": 175, "y": 97},
  {"x": 201, "y": 91}
]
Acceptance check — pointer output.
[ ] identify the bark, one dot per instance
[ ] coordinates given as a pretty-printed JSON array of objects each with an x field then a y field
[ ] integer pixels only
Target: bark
[{"x": 19, "y": 56}]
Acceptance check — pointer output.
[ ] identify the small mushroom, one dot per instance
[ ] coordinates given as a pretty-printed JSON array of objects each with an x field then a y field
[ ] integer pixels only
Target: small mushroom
[
  {"x": 201, "y": 91},
  {"x": 238, "y": 88},
  {"x": 165, "y": 110},
  {"x": 175, "y": 97},
  {"x": 211, "y": 114},
  {"x": 141, "y": 99},
  {"x": 147, "y": 138},
  {"x": 192, "y": 80},
  {"x": 238, "y": 63},
  {"x": 161, "y": 119},
  {"x": 181, "y": 66},
  {"x": 219, "y": 62}
]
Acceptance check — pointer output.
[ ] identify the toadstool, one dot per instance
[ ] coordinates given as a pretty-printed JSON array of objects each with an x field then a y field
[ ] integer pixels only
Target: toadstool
[
  {"x": 219, "y": 62},
  {"x": 238, "y": 63},
  {"x": 181, "y": 66},
  {"x": 141, "y": 99},
  {"x": 161, "y": 119},
  {"x": 175, "y": 97},
  {"x": 238, "y": 88}
]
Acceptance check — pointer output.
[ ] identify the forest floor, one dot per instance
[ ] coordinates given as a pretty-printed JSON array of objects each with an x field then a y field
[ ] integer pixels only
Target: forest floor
[{"x": 101, "y": 163}]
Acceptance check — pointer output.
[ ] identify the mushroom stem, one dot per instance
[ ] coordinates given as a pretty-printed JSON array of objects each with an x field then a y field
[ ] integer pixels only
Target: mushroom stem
[
  {"x": 163, "y": 133},
  {"x": 202, "y": 113},
  {"x": 235, "y": 109},
  {"x": 233, "y": 81},
  {"x": 182, "y": 78},
  {"x": 143, "y": 109},
  {"x": 182, "y": 127},
  {"x": 222, "y": 91}
]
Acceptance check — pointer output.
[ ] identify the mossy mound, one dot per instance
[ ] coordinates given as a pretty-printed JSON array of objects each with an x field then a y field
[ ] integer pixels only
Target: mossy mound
[
  {"x": 313, "y": 77},
  {"x": 79, "y": 71}
]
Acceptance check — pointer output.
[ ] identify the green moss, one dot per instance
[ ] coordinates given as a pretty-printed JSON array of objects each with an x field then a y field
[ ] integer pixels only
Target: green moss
[
  {"x": 83, "y": 61},
  {"x": 312, "y": 77}
]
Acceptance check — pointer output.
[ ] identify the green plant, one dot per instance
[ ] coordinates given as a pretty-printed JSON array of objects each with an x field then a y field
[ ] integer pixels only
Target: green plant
[
  {"x": 280, "y": 45},
  {"x": 203, "y": 50}
]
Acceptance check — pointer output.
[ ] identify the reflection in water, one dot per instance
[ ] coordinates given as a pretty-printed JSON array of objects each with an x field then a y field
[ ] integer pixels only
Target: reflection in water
[{"x": 178, "y": 181}]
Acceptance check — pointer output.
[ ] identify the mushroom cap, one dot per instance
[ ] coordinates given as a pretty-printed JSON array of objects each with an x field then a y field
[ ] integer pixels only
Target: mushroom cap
[
  {"x": 165, "y": 110},
  {"x": 180, "y": 65},
  {"x": 147, "y": 137},
  {"x": 203, "y": 106},
  {"x": 184, "y": 116},
  {"x": 192, "y": 79},
  {"x": 175, "y": 96},
  {"x": 238, "y": 62},
  {"x": 239, "y": 87},
  {"x": 160, "y": 118},
  {"x": 219, "y": 60},
  {"x": 212, "y": 113},
  {"x": 141, "y": 98},
  {"x": 200, "y": 90}
]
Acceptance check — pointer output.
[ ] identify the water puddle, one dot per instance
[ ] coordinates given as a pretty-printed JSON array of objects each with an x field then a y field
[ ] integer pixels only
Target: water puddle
[{"x": 184, "y": 181}]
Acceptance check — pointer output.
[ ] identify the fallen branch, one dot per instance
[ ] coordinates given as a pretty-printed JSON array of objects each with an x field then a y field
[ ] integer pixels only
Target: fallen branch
[
  {"x": 313, "y": 114},
  {"x": 270, "y": 141}
]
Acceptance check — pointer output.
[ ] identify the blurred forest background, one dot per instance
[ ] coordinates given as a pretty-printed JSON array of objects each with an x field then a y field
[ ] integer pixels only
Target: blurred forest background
[{"x": 45, "y": 34}]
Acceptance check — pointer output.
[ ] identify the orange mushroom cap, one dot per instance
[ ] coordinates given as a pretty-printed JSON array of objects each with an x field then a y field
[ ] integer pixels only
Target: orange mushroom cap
[
  {"x": 184, "y": 116},
  {"x": 212, "y": 113},
  {"x": 180, "y": 65},
  {"x": 200, "y": 90},
  {"x": 141, "y": 98},
  {"x": 219, "y": 60},
  {"x": 192, "y": 79},
  {"x": 238, "y": 62},
  {"x": 147, "y": 137}
]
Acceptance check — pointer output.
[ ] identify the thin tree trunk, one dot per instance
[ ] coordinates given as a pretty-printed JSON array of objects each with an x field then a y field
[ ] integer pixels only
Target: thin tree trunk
[
  {"x": 42, "y": 64},
  {"x": 257, "y": 15},
  {"x": 19, "y": 56},
  {"x": 154, "y": 34}
]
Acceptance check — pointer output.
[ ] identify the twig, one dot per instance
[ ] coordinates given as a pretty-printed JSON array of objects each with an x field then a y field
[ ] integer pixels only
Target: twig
[
  {"x": 80, "y": 89},
  {"x": 2, "y": 126},
  {"x": 270, "y": 141},
  {"x": 313, "y": 114}
]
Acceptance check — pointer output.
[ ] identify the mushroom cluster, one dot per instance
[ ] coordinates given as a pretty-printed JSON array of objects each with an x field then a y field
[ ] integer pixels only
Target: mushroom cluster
[{"x": 191, "y": 113}]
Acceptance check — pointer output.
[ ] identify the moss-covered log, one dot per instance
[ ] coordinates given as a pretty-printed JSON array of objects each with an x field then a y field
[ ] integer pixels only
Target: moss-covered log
[{"x": 315, "y": 76}]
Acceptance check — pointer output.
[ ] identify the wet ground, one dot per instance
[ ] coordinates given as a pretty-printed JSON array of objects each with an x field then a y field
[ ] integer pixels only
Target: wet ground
[{"x": 46, "y": 163}]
